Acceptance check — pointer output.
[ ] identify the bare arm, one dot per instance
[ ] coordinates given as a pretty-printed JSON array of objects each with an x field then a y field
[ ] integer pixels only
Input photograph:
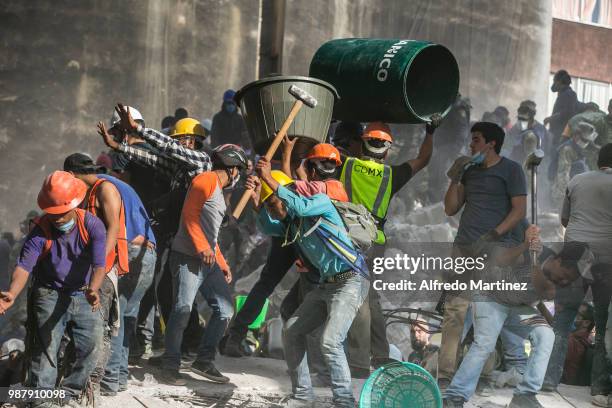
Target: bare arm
[
  {"x": 454, "y": 198},
  {"x": 97, "y": 277},
  {"x": 516, "y": 214},
  {"x": 424, "y": 155},
  {"x": 18, "y": 282},
  {"x": 110, "y": 203}
]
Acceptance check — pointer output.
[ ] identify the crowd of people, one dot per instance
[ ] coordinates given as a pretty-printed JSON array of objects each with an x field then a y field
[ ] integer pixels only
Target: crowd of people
[{"x": 126, "y": 242}]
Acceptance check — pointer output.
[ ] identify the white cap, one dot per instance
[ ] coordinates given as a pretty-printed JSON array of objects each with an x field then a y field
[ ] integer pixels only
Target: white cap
[{"x": 133, "y": 111}]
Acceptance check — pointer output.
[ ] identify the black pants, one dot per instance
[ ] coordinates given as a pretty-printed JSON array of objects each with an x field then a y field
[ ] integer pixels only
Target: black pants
[{"x": 278, "y": 263}]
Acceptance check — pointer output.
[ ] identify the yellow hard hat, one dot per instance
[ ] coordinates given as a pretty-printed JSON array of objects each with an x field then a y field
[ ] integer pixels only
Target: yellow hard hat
[
  {"x": 188, "y": 127},
  {"x": 280, "y": 177}
]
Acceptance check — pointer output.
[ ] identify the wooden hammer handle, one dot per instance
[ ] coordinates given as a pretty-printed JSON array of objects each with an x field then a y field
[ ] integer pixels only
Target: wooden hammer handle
[{"x": 295, "y": 109}]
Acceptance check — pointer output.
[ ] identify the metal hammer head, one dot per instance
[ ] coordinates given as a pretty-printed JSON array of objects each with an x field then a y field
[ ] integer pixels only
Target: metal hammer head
[
  {"x": 302, "y": 95},
  {"x": 535, "y": 158}
]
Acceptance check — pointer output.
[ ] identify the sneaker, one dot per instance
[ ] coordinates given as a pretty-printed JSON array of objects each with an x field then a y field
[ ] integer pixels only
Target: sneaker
[
  {"x": 208, "y": 370},
  {"x": 122, "y": 388},
  {"x": 233, "y": 347},
  {"x": 510, "y": 378},
  {"x": 172, "y": 377},
  {"x": 443, "y": 384},
  {"x": 484, "y": 388},
  {"x": 453, "y": 403},
  {"x": 291, "y": 402},
  {"x": 525, "y": 401},
  {"x": 601, "y": 401}
]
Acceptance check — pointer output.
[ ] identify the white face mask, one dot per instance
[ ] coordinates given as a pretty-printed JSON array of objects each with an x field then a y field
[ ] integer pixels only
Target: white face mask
[
  {"x": 582, "y": 143},
  {"x": 523, "y": 124}
]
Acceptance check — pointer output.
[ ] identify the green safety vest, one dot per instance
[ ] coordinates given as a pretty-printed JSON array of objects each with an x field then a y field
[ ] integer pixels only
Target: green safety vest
[{"x": 368, "y": 183}]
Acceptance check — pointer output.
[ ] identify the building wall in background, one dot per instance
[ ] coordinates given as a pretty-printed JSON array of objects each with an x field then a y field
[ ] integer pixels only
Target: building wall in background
[
  {"x": 503, "y": 47},
  {"x": 66, "y": 62},
  {"x": 583, "y": 50}
]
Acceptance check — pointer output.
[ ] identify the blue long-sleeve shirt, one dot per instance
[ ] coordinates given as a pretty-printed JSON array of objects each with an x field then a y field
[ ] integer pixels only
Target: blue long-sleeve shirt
[{"x": 310, "y": 209}]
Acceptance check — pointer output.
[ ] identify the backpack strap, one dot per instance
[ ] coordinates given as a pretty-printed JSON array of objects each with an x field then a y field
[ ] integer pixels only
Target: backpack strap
[{"x": 45, "y": 225}]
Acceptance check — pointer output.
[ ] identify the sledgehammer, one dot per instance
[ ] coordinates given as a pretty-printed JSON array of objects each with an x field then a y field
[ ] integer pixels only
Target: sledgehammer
[
  {"x": 532, "y": 163},
  {"x": 302, "y": 98}
]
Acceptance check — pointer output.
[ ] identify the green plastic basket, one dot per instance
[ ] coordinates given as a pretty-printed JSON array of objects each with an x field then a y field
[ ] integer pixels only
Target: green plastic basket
[
  {"x": 261, "y": 318},
  {"x": 400, "y": 385}
]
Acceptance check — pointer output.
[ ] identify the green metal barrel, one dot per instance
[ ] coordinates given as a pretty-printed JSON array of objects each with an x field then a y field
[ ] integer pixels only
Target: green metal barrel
[
  {"x": 396, "y": 81},
  {"x": 265, "y": 104}
]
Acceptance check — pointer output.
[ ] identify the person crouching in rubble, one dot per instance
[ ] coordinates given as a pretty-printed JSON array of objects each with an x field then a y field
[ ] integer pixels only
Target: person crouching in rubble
[
  {"x": 344, "y": 280},
  {"x": 65, "y": 254}
]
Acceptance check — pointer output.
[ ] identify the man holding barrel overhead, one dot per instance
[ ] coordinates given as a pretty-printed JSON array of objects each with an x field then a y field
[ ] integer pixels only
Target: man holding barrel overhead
[{"x": 372, "y": 183}]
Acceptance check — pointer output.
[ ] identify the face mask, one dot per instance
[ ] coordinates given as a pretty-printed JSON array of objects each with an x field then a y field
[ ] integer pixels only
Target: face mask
[
  {"x": 554, "y": 88},
  {"x": 478, "y": 158},
  {"x": 230, "y": 107},
  {"x": 65, "y": 227}
]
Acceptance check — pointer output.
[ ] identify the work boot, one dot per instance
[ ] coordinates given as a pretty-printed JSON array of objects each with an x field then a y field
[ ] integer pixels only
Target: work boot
[
  {"x": 233, "y": 346},
  {"x": 525, "y": 401},
  {"x": 172, "y": 377},
  {"x": 208, "y": 370},
  {"x": 455, "y": 402}
]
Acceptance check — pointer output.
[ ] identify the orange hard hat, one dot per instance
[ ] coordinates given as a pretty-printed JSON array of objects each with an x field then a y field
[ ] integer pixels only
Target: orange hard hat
[
  {"x": 324, "y": 151},
  {"x": 61, "y": 192},
  {"x": 378, "y": 131}
]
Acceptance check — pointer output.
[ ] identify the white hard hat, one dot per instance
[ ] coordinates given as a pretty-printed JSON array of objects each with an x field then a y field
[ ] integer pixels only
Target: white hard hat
[{"x": 133, "y": 111}]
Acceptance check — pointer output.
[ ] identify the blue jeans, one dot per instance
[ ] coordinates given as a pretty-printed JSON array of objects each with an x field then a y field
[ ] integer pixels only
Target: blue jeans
[
  {"x": 52, "y": 311},
  {"x": 190, "y": 275},
  {"x": 132, "y": 287},
  {"x": 489, "y": 319},
  {"x": 332, "y": 306}
]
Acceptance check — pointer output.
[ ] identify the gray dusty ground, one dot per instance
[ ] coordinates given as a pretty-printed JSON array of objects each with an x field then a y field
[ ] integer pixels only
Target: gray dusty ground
[{"x": 259, "y": 382}]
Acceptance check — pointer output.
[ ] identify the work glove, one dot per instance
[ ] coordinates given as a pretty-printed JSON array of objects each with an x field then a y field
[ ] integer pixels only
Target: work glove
[
  {"x": 485, "y": 242},
  {"x": 458, "y": 168},
  {"x": 432, "y": 125}
]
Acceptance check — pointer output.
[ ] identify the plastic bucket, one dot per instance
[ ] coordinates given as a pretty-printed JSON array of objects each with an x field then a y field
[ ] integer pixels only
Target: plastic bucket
[
  {"x": 396, "y": 81},
  {"x": 265, "y": 104},
  {"x": 261, "y": 317}
]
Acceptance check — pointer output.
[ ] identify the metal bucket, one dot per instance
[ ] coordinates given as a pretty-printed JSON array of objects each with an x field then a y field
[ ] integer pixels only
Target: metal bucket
[{"x": 265, "y": 104}]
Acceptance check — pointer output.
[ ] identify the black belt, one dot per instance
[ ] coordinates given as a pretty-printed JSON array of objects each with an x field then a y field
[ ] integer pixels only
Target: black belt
[{"x": 340, "y": 277}]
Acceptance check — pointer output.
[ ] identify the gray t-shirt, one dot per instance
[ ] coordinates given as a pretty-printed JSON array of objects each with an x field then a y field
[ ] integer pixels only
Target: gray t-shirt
[
  {"x": 488, "y": 195},
  {"x": 588, "y": 206}
]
